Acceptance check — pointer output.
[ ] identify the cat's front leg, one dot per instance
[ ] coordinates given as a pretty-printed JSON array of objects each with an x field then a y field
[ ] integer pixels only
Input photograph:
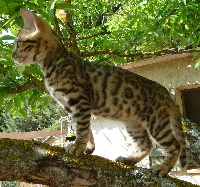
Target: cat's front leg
[
  {"x": 83, "y": 135},
  {"x": 90, "y": 145},
  {"x": 78, "y": 149}
]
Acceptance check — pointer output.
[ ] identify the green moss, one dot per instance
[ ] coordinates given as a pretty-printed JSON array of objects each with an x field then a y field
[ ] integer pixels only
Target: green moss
[
  {"x": 21, "y": 150},
  {"x": 180, "y": 183}
]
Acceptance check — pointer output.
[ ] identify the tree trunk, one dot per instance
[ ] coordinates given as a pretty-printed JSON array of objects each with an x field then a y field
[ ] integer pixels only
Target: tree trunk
[{"x": 39, "y": 163}]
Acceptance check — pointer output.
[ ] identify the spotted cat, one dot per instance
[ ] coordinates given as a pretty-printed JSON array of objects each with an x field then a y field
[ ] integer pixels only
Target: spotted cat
[{"x": 83, "y": 89}]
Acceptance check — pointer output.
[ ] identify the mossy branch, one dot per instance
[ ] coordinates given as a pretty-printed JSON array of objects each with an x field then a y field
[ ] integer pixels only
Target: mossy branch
[{"x": 39, "y": 163}]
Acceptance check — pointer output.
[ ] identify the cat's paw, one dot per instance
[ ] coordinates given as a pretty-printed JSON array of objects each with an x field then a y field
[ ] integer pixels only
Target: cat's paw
[
  {"x": 75, "y": 149},
  {"x": 90, "y": 148},
  {"x": 161, "y": 170},
  {"x": 125, "y": 160}
]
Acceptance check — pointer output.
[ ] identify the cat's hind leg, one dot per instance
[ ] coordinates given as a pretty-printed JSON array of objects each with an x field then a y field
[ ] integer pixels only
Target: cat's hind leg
[
  {"x": 142, "y": 143},
  {"x": 172, "y": 147},
  {"x": 161, "y": 129}
]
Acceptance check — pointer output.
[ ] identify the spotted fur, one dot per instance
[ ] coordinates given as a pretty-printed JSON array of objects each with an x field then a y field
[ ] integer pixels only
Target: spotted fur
[{"x": 82, "y": 89}]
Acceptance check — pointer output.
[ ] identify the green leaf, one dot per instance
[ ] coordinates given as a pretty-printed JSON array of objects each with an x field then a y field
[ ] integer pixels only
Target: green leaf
[
  {"x": 14, "y": 30},
  {"x": 33, "y": 70},
  {"x": 197, "y": 65},
  {"x": 65, "y": 6},
  {"x": 17, "y": 102},
  {"x": 20, "y": 69},
  {"x": 7, "y": 37},
  {"x": 23, "y": 113},
  {"x": 3, "y": 7},
  {"x": 33, "y": 100},
  {"x": 184, "y": 1},
  {"x": 9, "y": 106},
  {"x": 11, "y": 19},
  {"x": 50, "y": 14},
  {"x": 153, "y": 34},
  {"x": 1, "y": 100},
  {"x": 6, "y": 62}
]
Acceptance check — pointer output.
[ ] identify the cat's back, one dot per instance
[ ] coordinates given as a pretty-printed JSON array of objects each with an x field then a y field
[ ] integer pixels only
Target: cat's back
[
  {"x": 122, "y": 93},
  {"x": 114, "y": 80}
]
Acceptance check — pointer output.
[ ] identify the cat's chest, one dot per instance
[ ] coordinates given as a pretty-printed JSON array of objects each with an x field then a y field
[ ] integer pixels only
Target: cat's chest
[
  {"x": 54, "y": 88},
  {"x": 54, "y": 85}
]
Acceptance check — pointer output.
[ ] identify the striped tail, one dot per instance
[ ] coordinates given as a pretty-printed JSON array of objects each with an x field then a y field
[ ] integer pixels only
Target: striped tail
[{"x": 183, "y": 158}]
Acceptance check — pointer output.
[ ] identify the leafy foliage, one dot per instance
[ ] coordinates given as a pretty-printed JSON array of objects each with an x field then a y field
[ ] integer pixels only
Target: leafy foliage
[
  {"x": 107, "y": 32},
  {"x": 29, "y": 120}
]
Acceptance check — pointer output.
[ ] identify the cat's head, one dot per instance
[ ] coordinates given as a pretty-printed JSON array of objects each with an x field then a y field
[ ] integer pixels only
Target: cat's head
[{"x": 29, "y": 45}]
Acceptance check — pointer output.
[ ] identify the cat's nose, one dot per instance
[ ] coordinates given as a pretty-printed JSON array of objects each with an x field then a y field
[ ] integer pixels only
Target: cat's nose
[{"x": 14, "y": 57}]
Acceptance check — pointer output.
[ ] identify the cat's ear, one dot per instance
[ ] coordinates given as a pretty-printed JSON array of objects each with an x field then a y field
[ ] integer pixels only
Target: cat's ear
[{"x": 31, "y": 21}]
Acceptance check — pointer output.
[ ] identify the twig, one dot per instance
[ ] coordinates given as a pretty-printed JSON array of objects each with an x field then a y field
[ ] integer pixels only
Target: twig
[
  {"x": 57, "y": 25},
  {"x": 92, "y": 36}
]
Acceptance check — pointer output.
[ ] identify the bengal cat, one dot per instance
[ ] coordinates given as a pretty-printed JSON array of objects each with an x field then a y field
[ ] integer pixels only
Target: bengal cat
[{"x": 82, "y": 89}]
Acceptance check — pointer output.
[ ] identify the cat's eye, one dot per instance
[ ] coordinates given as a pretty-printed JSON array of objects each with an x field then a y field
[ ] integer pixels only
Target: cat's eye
[{"x": 18, "y": 43}]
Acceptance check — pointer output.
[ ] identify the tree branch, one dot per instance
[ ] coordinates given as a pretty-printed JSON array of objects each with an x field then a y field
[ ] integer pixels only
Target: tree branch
[
  {"x": 66, "y": 18},
  {"x": 93, "y": 36},
  {"x": 58, "y": 30},
  {"x": 166, "y": 16},
  {"x": 39, "y": 163},
  {"x": 31, "y": 83}
]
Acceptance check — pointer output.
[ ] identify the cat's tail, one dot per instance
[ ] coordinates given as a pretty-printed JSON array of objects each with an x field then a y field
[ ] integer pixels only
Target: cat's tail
[
  {"x": 183, "y": 158},
  {"x": 179, "y": 135}
]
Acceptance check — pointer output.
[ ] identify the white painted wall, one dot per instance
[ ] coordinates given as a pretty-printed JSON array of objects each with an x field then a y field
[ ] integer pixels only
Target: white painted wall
[{"x": 171, "y": 74}]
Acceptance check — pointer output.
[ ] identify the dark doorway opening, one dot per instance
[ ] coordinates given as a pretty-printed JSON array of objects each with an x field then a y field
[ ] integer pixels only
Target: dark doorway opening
[{"x": 191, "y": 104}]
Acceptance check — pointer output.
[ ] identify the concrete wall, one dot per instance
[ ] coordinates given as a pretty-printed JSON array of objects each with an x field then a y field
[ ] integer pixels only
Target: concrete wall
[
  {"x": 169, "y": 72},
  {"x": 175, "y": 72}
]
